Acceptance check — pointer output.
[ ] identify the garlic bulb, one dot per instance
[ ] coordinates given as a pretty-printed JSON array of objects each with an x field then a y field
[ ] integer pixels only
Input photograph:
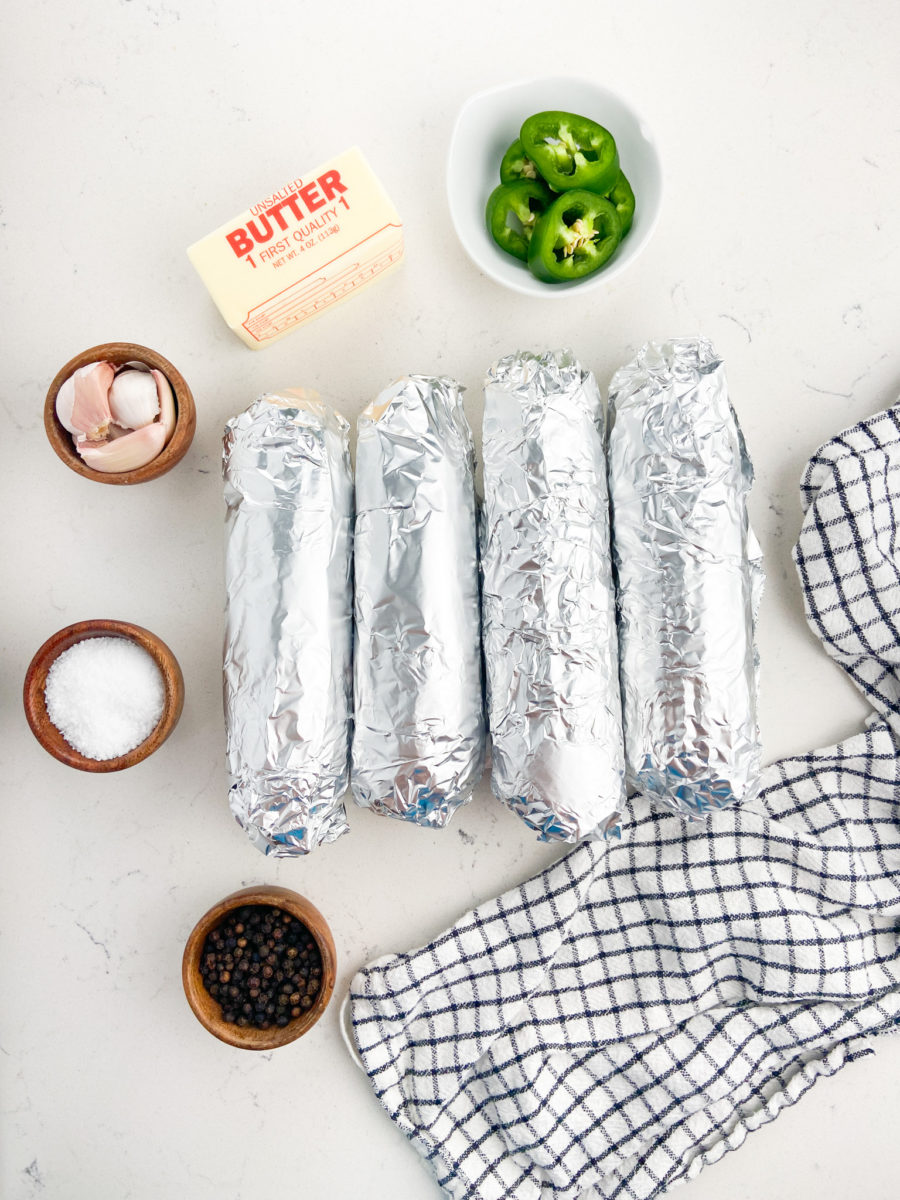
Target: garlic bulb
[
  {"x": 119, "y": 421},
  {"x": 82, "y": 403},
  {"x": 134, "y": 399},
  {"x": 126, "y": 453}
]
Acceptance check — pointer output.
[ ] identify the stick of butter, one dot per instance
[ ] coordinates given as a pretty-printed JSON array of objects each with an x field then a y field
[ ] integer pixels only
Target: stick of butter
[{"x": 304, "y": 248}]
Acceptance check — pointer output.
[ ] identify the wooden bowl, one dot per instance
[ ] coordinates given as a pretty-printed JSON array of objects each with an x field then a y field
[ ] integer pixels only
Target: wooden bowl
[
  {"x": 119, "y": 353},
  {"x": 209, "y": 1012},
  {"x": 36, "y": 707}
]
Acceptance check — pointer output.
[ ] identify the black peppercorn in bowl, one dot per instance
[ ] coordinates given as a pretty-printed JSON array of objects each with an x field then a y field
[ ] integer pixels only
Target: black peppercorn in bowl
[{"x": 258, "y": 968}]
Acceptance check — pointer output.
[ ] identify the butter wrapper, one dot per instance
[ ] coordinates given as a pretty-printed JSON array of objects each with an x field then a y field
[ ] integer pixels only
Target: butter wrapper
[
  {"x": 549, "y": 627},
  {"x": 288, "y": 623},
  {"x": 418, "y": 743},
  {"x": 690, "y": 578},
  {"x": 301, "y": 250}
]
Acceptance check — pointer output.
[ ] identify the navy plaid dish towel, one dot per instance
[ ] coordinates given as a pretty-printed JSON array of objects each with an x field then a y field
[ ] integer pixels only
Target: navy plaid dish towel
[{"x": 625, "y": 1018}]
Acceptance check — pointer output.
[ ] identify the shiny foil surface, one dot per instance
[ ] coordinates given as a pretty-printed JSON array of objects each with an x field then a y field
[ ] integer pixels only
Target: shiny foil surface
[
  {"x": 689, "y": 579},
  {"x": 549, "y": 628},
  {"x": 418, "y": 743},
  {"x": 288, "y": 623}
]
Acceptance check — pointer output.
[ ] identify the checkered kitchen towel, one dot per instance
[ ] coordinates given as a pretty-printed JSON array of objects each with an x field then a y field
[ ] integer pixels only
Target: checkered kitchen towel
[{"x": 623, "y": 1019}]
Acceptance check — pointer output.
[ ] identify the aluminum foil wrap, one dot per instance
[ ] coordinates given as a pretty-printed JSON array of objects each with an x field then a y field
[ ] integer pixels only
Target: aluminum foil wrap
[
  {"x": 549, "y": 627},
  {"x": 689, "y": 579},
  {"x": 418, "y": 743},
  {"x": 288, "y": 625}
]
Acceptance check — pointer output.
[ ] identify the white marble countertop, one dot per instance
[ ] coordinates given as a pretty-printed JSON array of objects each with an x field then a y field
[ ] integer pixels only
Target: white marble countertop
[{"x": 131, "y": 130}]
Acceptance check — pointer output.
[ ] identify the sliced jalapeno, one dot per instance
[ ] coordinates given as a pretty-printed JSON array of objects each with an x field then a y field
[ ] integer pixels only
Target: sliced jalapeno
[
  {"x": 575, "y": 237},
  {"x": 571, "y": 151},
  {"x": 512, "y": 212},
  {"x": 516, "y": 164},
  {"x": 622, "y": 198}
]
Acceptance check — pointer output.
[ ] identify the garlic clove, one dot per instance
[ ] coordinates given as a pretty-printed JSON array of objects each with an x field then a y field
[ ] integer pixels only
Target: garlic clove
[
  {"x": 82, "y": 402},
  {"x": 126, "y": 453},
  {"x": 65, "y": 403},
  {"x": 167, "y": 414},
  {"x": 133, "y": 399}
]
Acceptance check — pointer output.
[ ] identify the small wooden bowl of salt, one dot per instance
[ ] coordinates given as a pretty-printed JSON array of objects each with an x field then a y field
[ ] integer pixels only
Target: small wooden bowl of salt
[{"x": 103, "y": 695}]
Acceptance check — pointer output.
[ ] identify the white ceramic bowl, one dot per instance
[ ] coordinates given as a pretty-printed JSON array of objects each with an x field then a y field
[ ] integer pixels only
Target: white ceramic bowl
[{"x": 489, "y": 121}]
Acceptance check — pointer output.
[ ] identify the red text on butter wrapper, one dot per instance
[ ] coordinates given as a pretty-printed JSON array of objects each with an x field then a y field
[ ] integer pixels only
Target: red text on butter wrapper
[{"x": 313, "y": 196}]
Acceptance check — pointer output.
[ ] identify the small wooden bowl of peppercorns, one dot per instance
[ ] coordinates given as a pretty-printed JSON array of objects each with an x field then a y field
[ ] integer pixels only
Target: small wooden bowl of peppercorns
[{"x": 258, "y": 969}]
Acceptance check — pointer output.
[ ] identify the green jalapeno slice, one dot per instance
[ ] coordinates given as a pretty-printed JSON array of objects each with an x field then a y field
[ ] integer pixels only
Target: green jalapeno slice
[
  {"x": 576, "y": 235},
  {"x": 622, "y": 198},
  {"x": 515, "y": 164},
  {"x": 571, "y": 151},
  {"x": 512, "y": 212}
]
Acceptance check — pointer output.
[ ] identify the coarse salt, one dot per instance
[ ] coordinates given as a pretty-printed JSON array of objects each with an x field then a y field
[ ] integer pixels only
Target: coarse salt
[{"x": 105, "y": 695}]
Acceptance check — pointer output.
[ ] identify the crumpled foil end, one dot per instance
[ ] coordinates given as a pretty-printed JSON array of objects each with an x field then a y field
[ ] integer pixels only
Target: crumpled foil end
[
  {"x": 417, "y": 796},
  {"x": 288, "y": 627},
  {"x": 689, "y": 572},
  {"x": 280, "y": 822},
  {"x": 549, "y": 630}
]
